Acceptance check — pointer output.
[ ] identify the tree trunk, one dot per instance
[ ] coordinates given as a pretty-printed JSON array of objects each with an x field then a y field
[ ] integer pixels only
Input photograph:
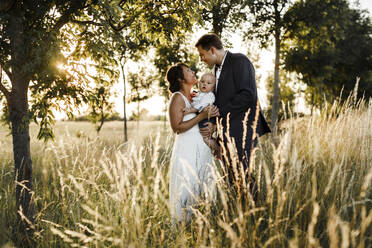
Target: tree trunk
[
  {"x": 138, "y": 114},
  {"x": 312, "y": 97},
  {"x": 101, "y": 121},
  {"x": 122, "y": 64},
  {"x": 19, "y": 118},
  {"x": 216, "y": 21},
  {"x": 274, "y": 117}
]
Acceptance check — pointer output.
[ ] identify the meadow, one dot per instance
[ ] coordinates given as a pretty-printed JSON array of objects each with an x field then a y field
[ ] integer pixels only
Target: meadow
[{"x": 96, "y": 191}]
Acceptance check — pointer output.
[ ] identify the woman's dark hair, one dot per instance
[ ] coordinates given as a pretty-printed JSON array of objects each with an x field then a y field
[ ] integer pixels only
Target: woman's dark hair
[
  {"x": 174, "y": 75},
  {"x": 209, "y": 40}
]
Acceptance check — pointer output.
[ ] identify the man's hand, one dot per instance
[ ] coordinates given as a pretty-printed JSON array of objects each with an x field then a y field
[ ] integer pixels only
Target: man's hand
[
  {"x": 208, "y": 130},
  {"x": 210, "y": 111}
]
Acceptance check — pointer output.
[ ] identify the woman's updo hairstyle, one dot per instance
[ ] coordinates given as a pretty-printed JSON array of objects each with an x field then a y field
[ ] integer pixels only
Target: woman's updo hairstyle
[{"x": 174, "y": 75}]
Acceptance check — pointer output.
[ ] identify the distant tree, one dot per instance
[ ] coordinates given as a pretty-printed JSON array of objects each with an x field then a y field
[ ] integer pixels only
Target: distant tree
[
  {"x": 141, "y": 84},
  {"x": 266, "y": 23},
  {"x": 329, "y": 45},
  {"x": 101, "y": 108},
  {"x": 113, "y": 116},
  {"x": 254, "y": 55},
  {"x": 287, "y": 95},
  {"x": 142, "y": 114},
  {"x": 128, "y": 45}
]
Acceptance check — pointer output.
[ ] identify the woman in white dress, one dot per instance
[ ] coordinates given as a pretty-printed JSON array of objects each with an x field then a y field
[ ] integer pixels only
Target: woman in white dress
[{"x": 191, "y": 165}]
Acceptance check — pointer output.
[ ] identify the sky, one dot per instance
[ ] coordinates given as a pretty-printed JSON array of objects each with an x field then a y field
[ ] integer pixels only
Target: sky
[
  {"x": 156, "y": 106},
  {"x": 366, "y": 4}
]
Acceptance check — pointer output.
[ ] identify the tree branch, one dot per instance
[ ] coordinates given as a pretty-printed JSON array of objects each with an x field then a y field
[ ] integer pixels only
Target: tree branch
[
  {"x": 66, "y": 16},
  {"x": 116, "y": 28},
  {"x": 10, "y": 75},
  {"x": 87, "y": 22},
  {"x": 2, "y": 87},
  {"x": 124, "y": 24}
]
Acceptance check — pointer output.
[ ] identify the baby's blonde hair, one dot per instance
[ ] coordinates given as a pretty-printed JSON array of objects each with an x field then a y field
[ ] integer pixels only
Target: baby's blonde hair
[{"x": 209, "y": 74}]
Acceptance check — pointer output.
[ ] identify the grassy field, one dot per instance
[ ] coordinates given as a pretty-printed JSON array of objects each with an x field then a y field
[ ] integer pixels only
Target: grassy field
[{"x": 94, "y": 191}]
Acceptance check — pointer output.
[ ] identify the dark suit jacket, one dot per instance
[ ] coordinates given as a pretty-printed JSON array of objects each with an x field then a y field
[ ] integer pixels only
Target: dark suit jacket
[{"x": 236, "y": 94}]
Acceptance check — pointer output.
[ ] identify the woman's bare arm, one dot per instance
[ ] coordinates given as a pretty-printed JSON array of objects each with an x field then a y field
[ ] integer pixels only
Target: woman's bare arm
[
  {"x": 189, "y": 110},
  {"x": 176, "y": 107}
]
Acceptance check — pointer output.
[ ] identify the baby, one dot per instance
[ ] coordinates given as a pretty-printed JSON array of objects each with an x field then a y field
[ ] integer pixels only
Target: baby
[{"x": 204, "y": 98}]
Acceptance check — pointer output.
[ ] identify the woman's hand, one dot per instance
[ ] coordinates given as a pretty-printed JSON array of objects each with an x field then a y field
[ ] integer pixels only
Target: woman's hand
[
  {"x": 210, "y": 111},
  {"x": 189, "y": 110}
]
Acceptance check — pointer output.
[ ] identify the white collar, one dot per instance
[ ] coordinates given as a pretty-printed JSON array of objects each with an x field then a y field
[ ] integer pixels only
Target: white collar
[{"x": 223, "y": 60}]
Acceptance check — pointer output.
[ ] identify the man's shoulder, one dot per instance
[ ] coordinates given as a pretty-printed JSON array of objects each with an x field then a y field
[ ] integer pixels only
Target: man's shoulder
[
  {"x": 237, "y": 54},
  {"x": 238, "y": 57}
]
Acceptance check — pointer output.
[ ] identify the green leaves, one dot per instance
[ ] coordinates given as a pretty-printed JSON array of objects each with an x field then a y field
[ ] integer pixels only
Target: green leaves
[
  {"x": 223, "y": 15},
  {"x": 141, "y": 85},
  {"x": 70, "y": 49},
  {"x": 266, "y": 19},
  {"x": 330, "y": 44}
]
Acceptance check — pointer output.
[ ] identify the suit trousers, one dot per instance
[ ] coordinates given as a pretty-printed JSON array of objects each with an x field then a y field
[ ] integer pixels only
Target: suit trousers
[{"x": 234, "y": 175}]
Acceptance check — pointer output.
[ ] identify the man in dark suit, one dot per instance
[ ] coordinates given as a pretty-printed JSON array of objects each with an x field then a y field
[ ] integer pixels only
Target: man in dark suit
[{"x": 237, "y": 101}]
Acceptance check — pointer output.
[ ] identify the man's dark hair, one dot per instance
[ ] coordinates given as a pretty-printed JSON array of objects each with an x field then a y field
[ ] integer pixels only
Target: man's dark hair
[{"x": 209, "y": 40}]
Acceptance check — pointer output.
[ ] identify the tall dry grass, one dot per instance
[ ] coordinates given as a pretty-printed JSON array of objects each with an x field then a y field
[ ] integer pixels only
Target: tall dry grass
[{"x": 315, "y": 190}]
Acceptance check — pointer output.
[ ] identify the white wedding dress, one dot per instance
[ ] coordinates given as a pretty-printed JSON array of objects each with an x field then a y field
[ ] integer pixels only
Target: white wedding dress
[{"x": 192, "y": 171}]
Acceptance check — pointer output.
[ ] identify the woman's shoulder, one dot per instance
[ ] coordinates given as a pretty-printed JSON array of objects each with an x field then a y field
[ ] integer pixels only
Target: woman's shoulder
[
  {"x": 176, "y": 95},
  {"x": 176, "y": 98}
]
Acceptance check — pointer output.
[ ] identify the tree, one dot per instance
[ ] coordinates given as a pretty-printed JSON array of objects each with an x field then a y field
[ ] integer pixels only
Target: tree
[
  {"x": 286, "y": 94},
  {"x": 127, "y": 48},
  {"x": 101, "y": 107},
  {"x": 45, "y": 47},
  {"x": 141, "y": 115},
  {"x": 329, "y": 45},
  {"x": 163, "y": 22},
  {"x": 267, "y": 21},
  {"x": 140, "y": 84},
  {"x": 28, "y": 54},
  {"x": 223, "y": 14}
]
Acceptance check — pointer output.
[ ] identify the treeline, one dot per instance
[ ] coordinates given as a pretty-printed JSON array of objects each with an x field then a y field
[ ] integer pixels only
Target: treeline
[{"x": 116, "y": 117}]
